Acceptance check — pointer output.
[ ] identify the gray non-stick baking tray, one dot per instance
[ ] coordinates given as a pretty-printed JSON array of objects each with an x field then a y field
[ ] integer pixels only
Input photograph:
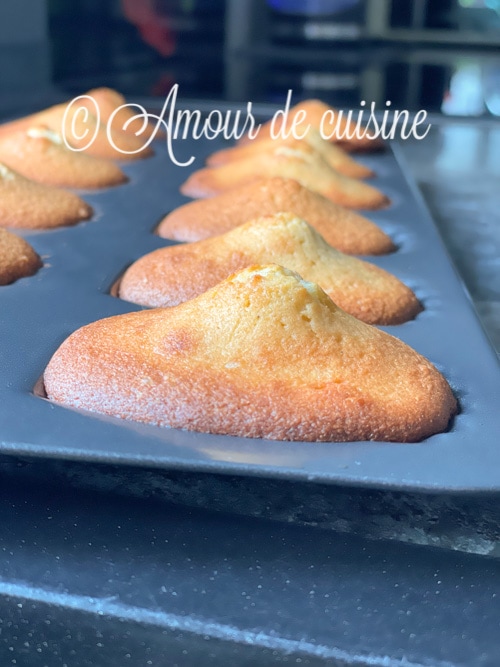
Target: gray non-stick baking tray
[{"x": 82, "y": 263}]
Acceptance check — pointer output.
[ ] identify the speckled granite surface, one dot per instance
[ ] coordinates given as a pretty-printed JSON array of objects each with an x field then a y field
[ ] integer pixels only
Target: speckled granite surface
[{"x": 457, "y": 167}]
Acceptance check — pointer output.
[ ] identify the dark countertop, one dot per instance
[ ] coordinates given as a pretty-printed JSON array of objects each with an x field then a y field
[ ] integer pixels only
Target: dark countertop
[{"x": 96, "y": 579}]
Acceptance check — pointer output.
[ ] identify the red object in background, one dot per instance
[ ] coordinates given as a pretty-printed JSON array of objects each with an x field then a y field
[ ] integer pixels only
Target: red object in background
[
  {"x": 152, "y": 24},
  {"x": 163, "y": 85}
]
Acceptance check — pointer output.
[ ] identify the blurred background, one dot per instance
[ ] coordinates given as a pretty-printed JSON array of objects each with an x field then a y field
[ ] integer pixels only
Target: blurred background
[{"x": 441, "y": 55}]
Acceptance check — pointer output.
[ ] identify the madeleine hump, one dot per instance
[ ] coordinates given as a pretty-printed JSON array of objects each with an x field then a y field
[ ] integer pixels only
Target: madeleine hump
[{"x": 263, "y": 354}]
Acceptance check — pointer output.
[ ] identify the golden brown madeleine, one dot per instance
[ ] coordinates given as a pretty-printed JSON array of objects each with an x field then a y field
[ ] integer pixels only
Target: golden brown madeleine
[
  {"x": 80, "y": 131},
  {"x": 308, "y": 168},
  {"x": 334, "y": 122},
  {"x": 125, "y": 144},
  {"x": 333, "y": 154},
  {"x": 17, "y": 258},
  {"x": 17, "y": 125},
  {"x": 40, "y": 154},
  {"x": 108, "y": 100},
  {"x": 30, "y": 205},
  {"x": 264, "y": 354},
  {"x": 342, "y": 228},
  {"x": 169, "y": 276}
]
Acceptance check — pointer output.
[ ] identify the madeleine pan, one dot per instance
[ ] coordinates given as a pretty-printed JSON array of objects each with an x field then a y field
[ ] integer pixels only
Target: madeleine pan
[{"x": 74, "y": 287}]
